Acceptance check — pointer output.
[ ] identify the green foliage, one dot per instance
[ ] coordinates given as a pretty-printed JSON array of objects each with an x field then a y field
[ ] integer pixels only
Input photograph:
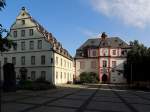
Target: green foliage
[
  {"x": 5, "y": 44},
  {"x": 25, "y": 84},
  {"x": 2, "y": 4},
  {"x": 138, "y": 63},
  {"x": 89, "y": 77},
  {"x": 35, "y": 85}
]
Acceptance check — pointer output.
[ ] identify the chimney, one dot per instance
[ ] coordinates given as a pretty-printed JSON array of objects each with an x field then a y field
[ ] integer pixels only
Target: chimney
[{"x": 103, "y": 36}]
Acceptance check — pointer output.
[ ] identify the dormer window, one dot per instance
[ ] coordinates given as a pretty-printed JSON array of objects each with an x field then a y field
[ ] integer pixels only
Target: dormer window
[
  {"x": 23, "y": 22},
  {"x": 15, "y": 33}
]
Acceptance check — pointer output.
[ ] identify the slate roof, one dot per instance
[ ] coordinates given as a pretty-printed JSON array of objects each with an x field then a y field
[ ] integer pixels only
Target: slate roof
[
  {"x": 108, "y": 42},
  {"x": 113, "y": 42}
]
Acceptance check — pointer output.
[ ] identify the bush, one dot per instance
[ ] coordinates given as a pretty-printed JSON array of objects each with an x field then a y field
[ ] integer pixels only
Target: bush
[
  {"x": 25, "y": 84},
  {"x": 89, "y": 77},
  {"x": 39, "y": 84},
  {"x": 69, "y": 82}
]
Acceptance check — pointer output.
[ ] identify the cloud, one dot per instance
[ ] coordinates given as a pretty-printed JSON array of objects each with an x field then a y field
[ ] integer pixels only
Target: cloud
[
  {"x": 132, "y": 12},
  {"x": 88, "y": 33}
]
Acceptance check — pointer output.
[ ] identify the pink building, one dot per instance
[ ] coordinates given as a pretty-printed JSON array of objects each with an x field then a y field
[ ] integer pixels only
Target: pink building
[{"x": 103, "y": 55}]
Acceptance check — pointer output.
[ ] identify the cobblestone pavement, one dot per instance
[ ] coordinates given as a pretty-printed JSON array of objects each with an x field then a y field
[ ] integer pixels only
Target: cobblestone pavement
[{"x": 98, "y": 98}]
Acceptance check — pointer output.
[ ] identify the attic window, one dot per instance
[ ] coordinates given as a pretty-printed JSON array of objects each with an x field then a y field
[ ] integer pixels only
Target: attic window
[
  {"x": 116, "y": 40},
  {"x": 23, "y": 14},
  {"x": 23, "y": 22},
  {"x": 92, "y": 42},
  {"x": 103, "y": 44}
]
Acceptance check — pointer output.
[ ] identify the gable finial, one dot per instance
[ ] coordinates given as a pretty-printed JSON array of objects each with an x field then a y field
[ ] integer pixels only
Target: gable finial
[
  {"x": 23, "y": 8},
  {"x": 103, "y": 36}
]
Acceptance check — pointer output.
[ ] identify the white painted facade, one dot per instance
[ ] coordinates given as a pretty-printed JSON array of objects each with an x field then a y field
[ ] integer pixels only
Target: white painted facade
[{"x": 38, "y": 49}]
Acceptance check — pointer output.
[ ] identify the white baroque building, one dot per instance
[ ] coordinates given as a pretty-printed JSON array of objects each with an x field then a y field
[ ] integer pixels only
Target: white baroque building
[
  {"x": 37, "y": 51},
  {"x": 103, "y": 55}
]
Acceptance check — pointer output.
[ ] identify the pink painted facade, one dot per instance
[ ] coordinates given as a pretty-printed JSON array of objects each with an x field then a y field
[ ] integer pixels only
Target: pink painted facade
[{"x": 109, "y": 55}]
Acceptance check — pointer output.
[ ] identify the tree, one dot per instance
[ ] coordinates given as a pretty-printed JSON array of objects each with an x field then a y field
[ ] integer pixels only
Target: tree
[
  {"x": 2, "y": 4},
  {"x": 138, "y": 62},
  {"x": 5, "y": 44}
]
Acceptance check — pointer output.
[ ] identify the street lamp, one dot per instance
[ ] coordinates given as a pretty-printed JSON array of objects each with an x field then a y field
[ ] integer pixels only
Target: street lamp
[{"x": 131, "y": 74}]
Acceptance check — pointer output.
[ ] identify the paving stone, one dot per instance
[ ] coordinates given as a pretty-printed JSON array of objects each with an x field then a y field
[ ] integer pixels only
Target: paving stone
[
  {"x": 77, "y": 97},
  {"x": 14, "y": 107},
  {"x": 35, "y": 100},
  {"x": 105, "y": 96},
  {"x": 67, "y": 103},
  {"x": 129, "y": 96},
  {"x": 143, "y": 94},
  {"x": 84, "y": 93},
  {"x": 141, "y": 107},
  {"x": 137, "y": 100},
  {"x": 52, "y": 109},
  {"x": 12, "y": 97},
  {"x": 92, "y": 111},
  {"x": 56, "y": 95},
  {"x": 108, "y": 106},
  {"x": 106, "y": 99}
]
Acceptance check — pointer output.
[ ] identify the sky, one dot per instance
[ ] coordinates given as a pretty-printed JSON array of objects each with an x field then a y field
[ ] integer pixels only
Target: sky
[{"x": 72, "y": 22}]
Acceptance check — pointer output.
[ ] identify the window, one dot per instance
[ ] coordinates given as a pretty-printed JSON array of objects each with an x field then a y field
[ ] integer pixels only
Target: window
[
  {"x": 119, "y": 74},
  {"x": 15, "y": 46},
  {"x": 33, "y": 60},
  {"x": 64, "y": 75},
  {"x": 68, "y": 64},
  {"x": 104, "y": 63},
  {"x": 113, "y": 63},
  {"x": 52, "y": 61},
  {"x": 22, "y": 45},
  {"x": 23, "y": 60},
  {"x": 82, "y": 65},
  {"x": 15, "y": 33},
  {"x": 43, "y": 75},
  {"x": 64, "y": 63},
  {"x": 56, "y": 60},
  {"x": 31, "y": 44},
  {"x": 68, "y": 76},
  {"x": 93, "y": 64},
  {"x": 39, "y": 44},
  {"x": 32, "y": 75},
  {"x": 42, "y": 60},
  {"x": 30, "y": 32},
  {"x": 94, "y": 53},
  {"x": 5, "y": 60},
  {"x": 61, "y": 75},
  {"x": 56, "y": 75},
  {"x": 23, "y": 22},
  {"x": 61, "y": 61},
  {"x": 114, "y": 52},
  {"x": 14, "y": 60},
  {"x": 22, "y": 33}
]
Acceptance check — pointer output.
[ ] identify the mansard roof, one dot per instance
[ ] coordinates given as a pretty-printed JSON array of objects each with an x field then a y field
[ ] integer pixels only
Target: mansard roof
[
  {"x": 57, "y": 47},
  {"x": 103, "y": 42},
  {"x": 111, "y": 42}
]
